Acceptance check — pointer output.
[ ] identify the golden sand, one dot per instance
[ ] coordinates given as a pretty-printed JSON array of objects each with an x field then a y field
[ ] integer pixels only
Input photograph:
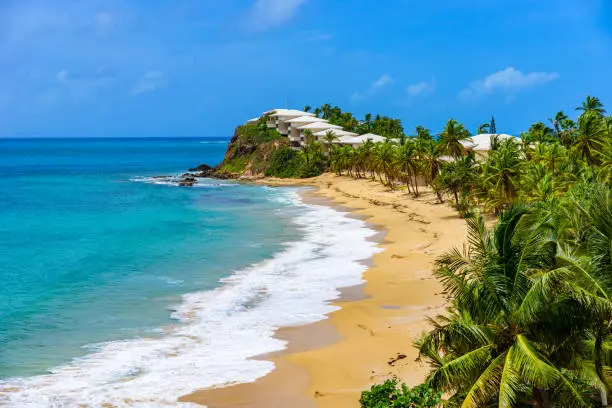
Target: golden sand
[{"x": 329, "y": 363}]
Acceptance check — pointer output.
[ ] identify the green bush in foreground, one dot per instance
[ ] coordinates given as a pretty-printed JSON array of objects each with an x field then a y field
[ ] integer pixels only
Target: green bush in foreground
[{"x": 391, "y": 395}]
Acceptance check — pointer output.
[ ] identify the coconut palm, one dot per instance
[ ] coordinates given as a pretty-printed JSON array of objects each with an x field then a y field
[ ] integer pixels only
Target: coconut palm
[
  {"x": 329, "y": 138},
  {"x": 407, "y": 164},
  {"x": 515, "y": 318},
  {"x": 590, "y": 136},
  {"x": 484, "y": 128},
  {"x": 308, "y": 145},
  {"x": 457, "y": 177},
  {"x": 422, "y": 133},
  {"x": 430, "y": 157},
  {"x": 592, "y": 104},
  {"x": 383, "y": 162},
  {"x": 451, "y": 137},
  {"x": 502, "y": 173}
]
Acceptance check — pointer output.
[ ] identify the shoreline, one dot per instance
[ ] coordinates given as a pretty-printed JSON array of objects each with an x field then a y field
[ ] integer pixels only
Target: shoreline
[{"x": 329, "y": 363}]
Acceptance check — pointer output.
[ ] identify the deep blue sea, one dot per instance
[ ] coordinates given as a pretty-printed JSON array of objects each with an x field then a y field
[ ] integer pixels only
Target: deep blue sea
[{"x": 119, "y": 288}]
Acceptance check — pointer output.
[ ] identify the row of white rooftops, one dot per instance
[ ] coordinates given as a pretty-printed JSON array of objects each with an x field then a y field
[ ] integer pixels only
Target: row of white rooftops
[{"x": 293, "y": 122}]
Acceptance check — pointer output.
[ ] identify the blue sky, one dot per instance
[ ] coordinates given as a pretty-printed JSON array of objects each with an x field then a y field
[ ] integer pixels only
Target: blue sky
[{"x": 198, "y": 68}]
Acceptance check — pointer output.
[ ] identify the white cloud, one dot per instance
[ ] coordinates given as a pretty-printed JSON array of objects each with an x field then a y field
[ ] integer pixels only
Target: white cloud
[
  {"x": 267, "y": 14},
  {"x": 508, "y": 79},
  {"x": 381, "y": 83},
  {"x": 421, "y": 88},
  {"x": 149, "y": 82}
]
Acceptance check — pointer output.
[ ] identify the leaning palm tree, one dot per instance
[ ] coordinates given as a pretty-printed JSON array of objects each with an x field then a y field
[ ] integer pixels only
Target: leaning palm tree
[
  {"x": 451, "y": 137},
  {"x": 383, "y": 162},
  {"x": 407, "y": 165},
  {"x": 511, "y": 338},
  {"x": 592, "y": 104},
  {"x": 430, "y": 157}
]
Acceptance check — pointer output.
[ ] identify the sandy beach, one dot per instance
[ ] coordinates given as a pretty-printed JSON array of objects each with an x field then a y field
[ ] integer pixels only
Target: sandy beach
[{"x": 329, "y": 363}]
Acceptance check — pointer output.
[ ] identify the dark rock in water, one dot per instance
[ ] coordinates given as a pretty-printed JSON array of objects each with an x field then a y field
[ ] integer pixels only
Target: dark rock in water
[
  {"x": 204, "y": 168},
  {"x": 187, "y": 180}
]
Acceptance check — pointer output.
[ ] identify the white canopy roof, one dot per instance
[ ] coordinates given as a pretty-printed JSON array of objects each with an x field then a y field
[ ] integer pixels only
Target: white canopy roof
[
  {"x": 368, "y": 136},
  {"x": 254, "y": 120},
  {"x": 305, "y": 119},
  {"x": 337, "y": 132},
  {"x": 344, "y": 139},
  {"x": 288, "y": 112},
  {"x": 482, "y": 142},
  {"x": 319, "y": 126}
]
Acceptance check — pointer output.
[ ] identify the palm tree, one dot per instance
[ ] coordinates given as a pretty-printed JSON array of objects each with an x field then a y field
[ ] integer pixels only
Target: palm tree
[
  {"x": 502, "y": 173},
  {"x": 451, "y": 137},
  {"x": 557, "y": 121},
  {"x": 406, "y": 162},
  {"x": 457, "y": 177},
  {"x": 307, "y": 146},
  {"x": 307, "y": 108},
  {"x": 592, "y": 104},
  {"x": 422, "y": 133},
  {"x": 506, "y": 341},
  {"x": 590, "y": 136},
  {"x": 383, "y": 162},
  {"x": 430, "y": 157},
  {"x": 329, "y": 138},
  {"x": 484, "y": 128}
]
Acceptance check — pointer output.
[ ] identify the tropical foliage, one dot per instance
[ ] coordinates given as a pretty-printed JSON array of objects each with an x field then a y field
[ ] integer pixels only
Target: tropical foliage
[
  {"x": 391, "y": 395},
  {"x": 529, "y": 317}
]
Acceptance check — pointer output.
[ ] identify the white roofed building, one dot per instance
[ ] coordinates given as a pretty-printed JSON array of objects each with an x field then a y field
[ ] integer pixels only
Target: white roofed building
[
  {"x": 481, "y": 144},
  {"x": 339, "y": 133},
  {"x": 278, "y": 118},
  {"x": 295, "y": 123},
  {"x": 315, "y": 127}
]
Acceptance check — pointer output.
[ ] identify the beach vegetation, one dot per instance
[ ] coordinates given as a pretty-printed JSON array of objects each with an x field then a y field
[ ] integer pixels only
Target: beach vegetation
[
  {"x": 285, "y": 163},
  {"x": 391, "y": 394},
  {"x": 529, "y": 314}
]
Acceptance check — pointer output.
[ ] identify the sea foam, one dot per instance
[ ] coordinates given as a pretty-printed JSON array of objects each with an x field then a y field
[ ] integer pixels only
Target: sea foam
[{"x": 220, "y": 330}]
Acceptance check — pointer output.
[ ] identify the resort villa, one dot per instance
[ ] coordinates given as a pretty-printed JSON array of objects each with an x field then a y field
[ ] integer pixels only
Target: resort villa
[
  {"x": 293, "y": 123},
  {"x": 481, "y": 144}
]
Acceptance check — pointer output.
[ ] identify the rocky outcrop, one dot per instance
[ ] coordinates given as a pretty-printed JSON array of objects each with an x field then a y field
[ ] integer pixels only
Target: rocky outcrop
[{"x": 247, "y": 155}]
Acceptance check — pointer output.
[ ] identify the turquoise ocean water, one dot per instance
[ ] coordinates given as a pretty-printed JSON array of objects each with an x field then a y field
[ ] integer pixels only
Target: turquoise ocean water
[{"x": 112, "y": 283}]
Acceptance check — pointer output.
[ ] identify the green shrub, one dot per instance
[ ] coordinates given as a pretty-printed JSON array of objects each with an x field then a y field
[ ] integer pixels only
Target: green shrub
[
  {"x": 391, "y": 395},
  {"x": 285, "y": 163},
  {"x": 312, "y": 169}
]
